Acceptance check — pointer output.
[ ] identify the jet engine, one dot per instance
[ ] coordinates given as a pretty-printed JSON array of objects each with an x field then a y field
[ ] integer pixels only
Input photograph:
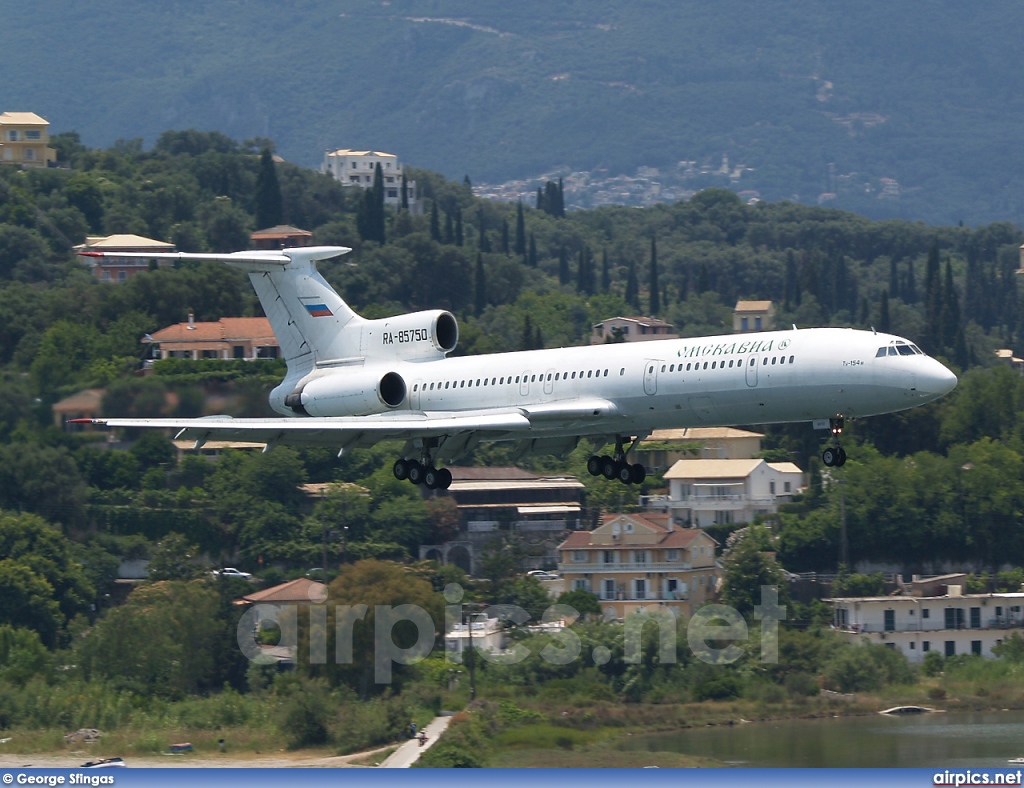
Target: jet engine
[
  {"x": 415, "y": 336},
  {"x": 350, "y": 392}
]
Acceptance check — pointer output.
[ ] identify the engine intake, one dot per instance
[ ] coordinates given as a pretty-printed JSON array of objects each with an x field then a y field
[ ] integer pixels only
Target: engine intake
[{"x": 417, "y": 335}]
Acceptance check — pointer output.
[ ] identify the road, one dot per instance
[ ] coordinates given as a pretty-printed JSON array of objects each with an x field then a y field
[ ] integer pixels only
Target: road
[{"x": 406, "y": 755}]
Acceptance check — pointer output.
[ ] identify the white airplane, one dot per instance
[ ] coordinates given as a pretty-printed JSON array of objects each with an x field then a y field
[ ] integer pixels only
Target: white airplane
[{"x": 353, "y": 382}]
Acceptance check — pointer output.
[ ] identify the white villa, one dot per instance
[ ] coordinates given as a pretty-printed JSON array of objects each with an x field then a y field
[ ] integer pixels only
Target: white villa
[{"x": 355, "y": 168}]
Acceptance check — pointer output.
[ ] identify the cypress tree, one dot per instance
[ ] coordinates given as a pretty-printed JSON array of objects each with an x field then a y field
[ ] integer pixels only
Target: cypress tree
[
  {"x": 538, "y": 340},
  {"x": 655, "y": 294},
  {"x": 791, "y": 286},
  {"x": 449, "y": 229},
  {"x": 632, "y": 295},
  {"x": 563, "y": 266},
  {"x": 560, "y": 211},
  {"x": 894, "y": 278},
  {"x": 527, "y": 341},
  {"x": 405, "y": 194},
  {"x": 933, "y": 298},
  {"x": 949, "y": 319},
  {"x": 479, "y": 285},
  {"x": 883, "y": 313},
  {"x": 606, "y": 274},
  {"x": 910, "y": 285},
  {"x": 459, "y": 239},
  {"x": 269, "y": 208},
  {"x": 435, "y": 224},
  {"x": 520, "y": 247},
  {"x": 540, "y": 199},
  {"x": 581, "y": 272},
  {"x": 378, "y": 203},
  {"x": 505, "y": 248},
  {"x": 702, "y": 280},
  {"x": 531, "y": 255},
  {"x": 961, "y": 355}
]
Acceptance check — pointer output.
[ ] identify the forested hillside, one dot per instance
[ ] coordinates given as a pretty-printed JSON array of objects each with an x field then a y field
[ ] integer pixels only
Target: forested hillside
[
  {"x": 941, "y": 483},
  {"x": 812, "y": 98}
]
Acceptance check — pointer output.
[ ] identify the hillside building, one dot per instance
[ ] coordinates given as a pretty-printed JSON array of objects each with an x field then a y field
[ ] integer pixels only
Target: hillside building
[
  {"x": 229, "y": 338},
  {"x": 283, "y": 236},
  {"x": 355, "y": 168},
  {"x": 637, "y": 563},
  {"x": 110, "y": 267},
  {"x": 24, "y": 140},
  {"x": 932, "y": 615},
  {"x": 664, "y": 448},
  {"x": 631, "y": 329},
  {"x": 509, "y": 503},
  {"x": 714, "y": 492},
  {"x": 753, "y": 316}
]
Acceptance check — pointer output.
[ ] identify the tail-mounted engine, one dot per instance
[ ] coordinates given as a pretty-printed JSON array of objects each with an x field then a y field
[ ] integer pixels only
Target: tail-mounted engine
[
  {"x": 418, "y": 335},
  {"x": 355, "y": 392}
]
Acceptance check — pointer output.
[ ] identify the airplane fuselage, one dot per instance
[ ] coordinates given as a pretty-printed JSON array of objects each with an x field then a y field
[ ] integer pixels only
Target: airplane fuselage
[{"x": 781, "y": 376}]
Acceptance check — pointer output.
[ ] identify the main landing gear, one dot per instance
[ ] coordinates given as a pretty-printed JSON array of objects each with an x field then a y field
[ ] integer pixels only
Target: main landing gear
[
  {"x": 616, "y": 467},
  {"x": 834, "y": 456},
  {"x": 423, "y": 473}
]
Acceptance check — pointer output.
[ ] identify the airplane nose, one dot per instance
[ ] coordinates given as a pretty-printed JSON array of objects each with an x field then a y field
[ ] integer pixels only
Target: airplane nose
[{"x": 937, "y": 381}]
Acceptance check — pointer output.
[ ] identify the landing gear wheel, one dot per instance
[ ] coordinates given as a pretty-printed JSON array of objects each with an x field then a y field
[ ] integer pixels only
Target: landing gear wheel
[
  {"x": 594, "y": 465},
  {"x": 841, "y": 458},
  {"x": 431, "y": 478},
  {"x": 637, "y": 473},
  {"x": 609, "y": 468},
  {"x": 444, "y": 480},
  {"x": 401, "y": 470},
  {"x": 830, "y": 457},
  {"x": 625, "y": 474},
  {"x": 416, "y": 472}
]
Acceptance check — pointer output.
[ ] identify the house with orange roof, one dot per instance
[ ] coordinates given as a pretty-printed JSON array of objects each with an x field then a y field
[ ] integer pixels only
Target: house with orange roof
[
  {"x": 641, "y": 563},
  {"x": 753, "y": 316},
  {"x": 229, "y": 338}
]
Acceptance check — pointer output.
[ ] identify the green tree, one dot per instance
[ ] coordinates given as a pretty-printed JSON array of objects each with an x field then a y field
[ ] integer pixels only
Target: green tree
[
  {"x": 174, "y": 558},
  {"x": 655, "y": 292},
  {"x": 269, "y": 208}
]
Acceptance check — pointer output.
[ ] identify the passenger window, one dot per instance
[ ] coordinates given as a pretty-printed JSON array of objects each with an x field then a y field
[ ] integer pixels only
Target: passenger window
[
  {"x": 415, "y": 387},
  {"x": 688, "y": 367},
  {"x": 752, "y": 362},
  {"x": 773, "y": 361},
  {"x": 590, "y": 372},
  {"x": 573, "y": 376},
  {"x": 622, "y": 372},
  {"x": 662, "y": 367},
  {"x": 671, "y": 367},
  {"x": 517, "y": 378},
  {"x": 782, "y": 359},
  {"x": 713, "y": 363},
  {"x": 705, "y": 365},
  {"x": 478, "y": 381},
  {"x": 556, "y": 376},
  {"x": 463, "y": 385},
  {"x": 791, "y": 359},
  {"x": 764, "y": 361},
  {"x": 606, "y": 373},
  {"x": 549, "y": 376},
  {"x": 446, "y": 384},
  {"x": 492, "y": 381}
]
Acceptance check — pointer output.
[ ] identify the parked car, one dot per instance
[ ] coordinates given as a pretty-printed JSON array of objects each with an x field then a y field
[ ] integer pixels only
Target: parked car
[
  {"x": 230, "y": 571},
  {"x": 540, "y": 574}
]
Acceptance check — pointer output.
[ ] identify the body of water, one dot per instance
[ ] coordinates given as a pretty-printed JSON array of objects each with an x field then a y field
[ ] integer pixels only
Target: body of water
[{"x": 919, "y": 740}]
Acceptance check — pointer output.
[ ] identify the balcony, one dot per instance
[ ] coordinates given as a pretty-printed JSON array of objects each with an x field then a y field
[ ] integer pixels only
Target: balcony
[
  {"x": 579, "y": 567},
  {"x": 1003, "y": 622}
]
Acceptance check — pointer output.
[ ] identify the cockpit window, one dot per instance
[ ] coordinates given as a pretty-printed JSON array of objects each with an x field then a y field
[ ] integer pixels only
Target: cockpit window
[
  {"x": 905, "y": 350},
  {"x": 893, "y": 351},
  {"x": 881, "y": 352},
  {"x": 917, "y": 350}
]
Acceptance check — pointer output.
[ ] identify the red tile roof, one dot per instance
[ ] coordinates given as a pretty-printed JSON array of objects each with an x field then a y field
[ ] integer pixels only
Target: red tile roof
[{"x": 227, "y": 329}]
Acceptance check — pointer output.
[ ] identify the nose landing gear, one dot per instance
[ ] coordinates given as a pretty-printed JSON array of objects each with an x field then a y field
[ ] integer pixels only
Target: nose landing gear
[{"x": 834, "y": 456}]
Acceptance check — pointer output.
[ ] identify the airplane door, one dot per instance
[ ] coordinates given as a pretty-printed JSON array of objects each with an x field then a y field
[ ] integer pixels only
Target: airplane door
[
  {"x": 549, "y": 381},
  {"x": 752, "y": 371},
  {"x": 524, "y": 386},
  {"x": 414, "y": 400},
  {"x": 651, "y": 377}
]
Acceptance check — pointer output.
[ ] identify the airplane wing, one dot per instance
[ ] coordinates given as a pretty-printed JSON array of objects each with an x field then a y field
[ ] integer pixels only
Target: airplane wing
[{"x": 363, "y": 431}]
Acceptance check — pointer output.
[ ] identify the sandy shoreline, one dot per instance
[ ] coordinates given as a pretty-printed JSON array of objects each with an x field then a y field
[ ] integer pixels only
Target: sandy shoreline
[{"x": 270, "y": 760}]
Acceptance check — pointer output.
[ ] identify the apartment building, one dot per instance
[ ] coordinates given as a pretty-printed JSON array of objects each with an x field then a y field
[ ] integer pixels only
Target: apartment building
[
  {"x": 631, "y": 329},
  {"x": 356, "y": 167},
  {"x": 637, "y": 563},
  {"x": 24, "y": 140},
  {"x": 945, "y": 620}
]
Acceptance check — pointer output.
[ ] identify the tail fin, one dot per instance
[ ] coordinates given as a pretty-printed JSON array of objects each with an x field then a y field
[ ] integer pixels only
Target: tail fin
[{"x": 310, "y": 320}]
